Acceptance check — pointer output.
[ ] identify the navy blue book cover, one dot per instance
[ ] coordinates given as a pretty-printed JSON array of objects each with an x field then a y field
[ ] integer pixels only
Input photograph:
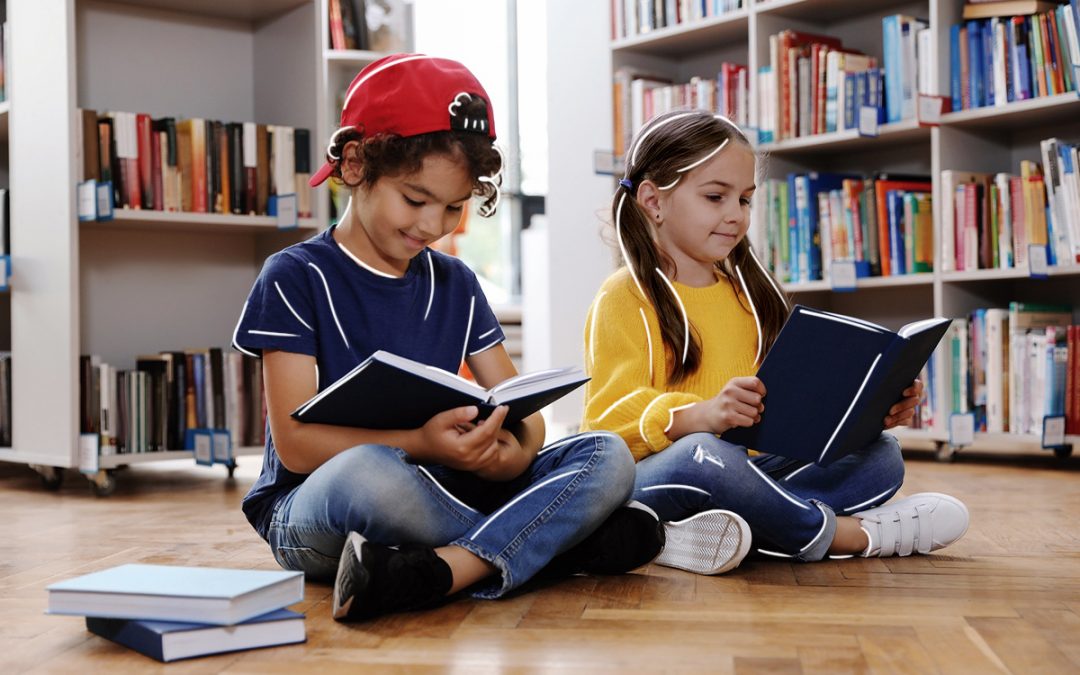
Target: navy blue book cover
[
  {"x": 391, "y": 392},
  {"x": 830, "y": 380}
]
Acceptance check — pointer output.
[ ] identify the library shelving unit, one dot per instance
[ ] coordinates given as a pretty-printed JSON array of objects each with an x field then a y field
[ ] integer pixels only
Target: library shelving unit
[
  {"x": 146, "y": 281},
  {"x": 988, "y": 140}
]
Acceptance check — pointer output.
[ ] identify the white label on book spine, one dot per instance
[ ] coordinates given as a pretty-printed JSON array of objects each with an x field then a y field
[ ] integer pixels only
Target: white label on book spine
[
  {"x": 105, "y": 200},
  {"x": 868, "y": 116},
  {"x": 88, "y": 453},
  {"x": 1053, "y": 431},
  {"x": 842, "y": 275},
  {"x": 961, "y": 429},
  {"x": 203, "y": 448},
  {"x": 88, "y": 200},
  {"x": 1038, "y": 266},
  {"x": 929, "y": 110},
  {"x": 286, "y": 212}
]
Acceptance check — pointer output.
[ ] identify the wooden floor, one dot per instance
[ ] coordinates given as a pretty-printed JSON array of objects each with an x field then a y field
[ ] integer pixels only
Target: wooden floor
[{"x": 1004, "y": 599}]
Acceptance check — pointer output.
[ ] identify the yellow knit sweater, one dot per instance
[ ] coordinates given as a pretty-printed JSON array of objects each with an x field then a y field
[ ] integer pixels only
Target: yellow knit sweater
[{"x": 629, "y": 393}]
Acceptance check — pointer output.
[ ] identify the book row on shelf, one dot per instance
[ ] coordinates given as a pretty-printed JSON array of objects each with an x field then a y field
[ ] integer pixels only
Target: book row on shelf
[
  {"x": 989, "y": 220},
  {"x": 1010, "y": 368},
  {"x": 154, "y": 407},
  {"x": 639, "y": 97},
  {"x": 1001, "y": 59},
  {"x": 637, "y": 17},
  {"x": 884, "y": 223},
  {"x": 813, "y": 84},
  {"x": 194, "y": 165},
  {"x": 370, "y": 25}
]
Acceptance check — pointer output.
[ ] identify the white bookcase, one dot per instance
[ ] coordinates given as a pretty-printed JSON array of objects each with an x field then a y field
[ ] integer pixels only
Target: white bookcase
[
  {"x": 986, "y": 140},
  {"x": 146, "y": 281}
]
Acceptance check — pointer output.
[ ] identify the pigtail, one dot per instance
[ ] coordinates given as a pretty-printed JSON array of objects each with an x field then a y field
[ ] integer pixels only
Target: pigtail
[
  {"x": 759, "y": 292},
  {"x": 646, "y": 262}
]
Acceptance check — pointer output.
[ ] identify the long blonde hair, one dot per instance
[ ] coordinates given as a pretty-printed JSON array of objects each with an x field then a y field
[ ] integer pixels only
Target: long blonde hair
[{"x": 661, "y": 152}]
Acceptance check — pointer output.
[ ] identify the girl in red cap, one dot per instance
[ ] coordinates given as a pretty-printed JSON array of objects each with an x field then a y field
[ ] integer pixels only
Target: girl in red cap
[{"x": 403, "y": 518}]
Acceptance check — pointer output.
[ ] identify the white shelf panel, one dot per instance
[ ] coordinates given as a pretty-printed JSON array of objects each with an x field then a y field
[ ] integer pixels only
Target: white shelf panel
[
  {"x": 689, "y": 38},
  {"x": 921, "y": 279},
  {"x": 1018, "y": 114},
  {"x": 900, "y": 132},
  {"x": 113, "y": 461},
  {"x": 351, "y": 57},
  {"x": 820, "y": 11},
  {"x": 253, "y": 11},
  {"x": 1007, "y": 273},
  {"x": 195, "y": 222}
]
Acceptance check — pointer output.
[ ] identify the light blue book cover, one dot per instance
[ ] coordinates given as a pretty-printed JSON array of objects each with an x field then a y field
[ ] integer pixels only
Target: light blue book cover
[{"x": 172, "y": 593}]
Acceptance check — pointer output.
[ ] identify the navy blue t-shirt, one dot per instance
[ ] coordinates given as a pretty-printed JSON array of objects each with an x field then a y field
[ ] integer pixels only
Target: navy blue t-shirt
[{"x": 316, "y": 298}]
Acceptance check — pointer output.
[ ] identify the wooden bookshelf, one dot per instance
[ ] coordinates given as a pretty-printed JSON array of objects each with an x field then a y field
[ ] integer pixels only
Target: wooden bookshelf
[{"x": 196, "y": 222}]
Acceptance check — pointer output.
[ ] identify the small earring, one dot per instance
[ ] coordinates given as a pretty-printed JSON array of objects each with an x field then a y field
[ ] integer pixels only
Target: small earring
[{"x": 658, "y": 216}]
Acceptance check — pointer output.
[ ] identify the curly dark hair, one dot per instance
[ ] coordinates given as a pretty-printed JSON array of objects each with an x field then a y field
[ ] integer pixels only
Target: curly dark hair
[{"x": 393, "y": 155}]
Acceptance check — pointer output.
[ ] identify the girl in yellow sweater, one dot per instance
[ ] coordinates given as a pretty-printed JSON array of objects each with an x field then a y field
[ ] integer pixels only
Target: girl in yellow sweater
[{"x": 673, "y": 340}]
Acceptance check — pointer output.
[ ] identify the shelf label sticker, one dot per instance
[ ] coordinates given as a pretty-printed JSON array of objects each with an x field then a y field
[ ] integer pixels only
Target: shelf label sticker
[
  {"x": 287, "y": 218},
  {"x": 89, "y": 454},
  {"x": 603, "y": 162},
  {"x": 105, "y": 200},
  {"x": 842, "y": 275},
  {"x": 1038, "y": 266},
  {"x": 868, "y": 121},
  {"x": 961, "y": 429},
  {"x": 1053, "y": 431},
  {"x": 87, "y": 199},
  {"x": 5, "y": 272},
  {"x": 929, "y": 109},
  {"x": 222, "y": 446},
  {"x": 202, "y": 444}
]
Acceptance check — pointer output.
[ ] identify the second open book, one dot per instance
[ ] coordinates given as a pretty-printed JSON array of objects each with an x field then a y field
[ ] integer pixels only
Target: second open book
[
  {"x": 387, "y": 391},
  {"x": 830, "y": 380}
]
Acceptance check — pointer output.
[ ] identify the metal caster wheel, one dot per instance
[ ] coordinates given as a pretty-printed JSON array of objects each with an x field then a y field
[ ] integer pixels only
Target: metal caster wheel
[
  {"x": 52, "y": 477},
  {"x": 945, "y": 453},
  {"x": 231, "y": 468},
  {"x": 103, "y": 483}
]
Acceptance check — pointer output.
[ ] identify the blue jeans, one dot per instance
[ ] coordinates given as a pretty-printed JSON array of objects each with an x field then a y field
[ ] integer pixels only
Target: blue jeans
[
  {"x": 517, "y": 525},
  {"x": 790, "y": 505}
]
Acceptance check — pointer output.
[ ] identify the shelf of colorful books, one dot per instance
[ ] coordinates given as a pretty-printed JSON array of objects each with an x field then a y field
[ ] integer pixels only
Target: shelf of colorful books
[
  {"x": 112, "y": 461},
  {"x": 898, "y": 133},
  {"x": 1006, "y": 273},
  {"x": 920, "y": 279},
  {"x": 822, "y": 11},
  {"x": 197, "y": 222},
  {"x": 690, "y": 37},
  {"x": 1031, "y": 112}
]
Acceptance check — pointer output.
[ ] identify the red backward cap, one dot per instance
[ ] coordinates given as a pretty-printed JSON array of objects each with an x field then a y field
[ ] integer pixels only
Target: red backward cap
[{"x": 408, "y": 95}]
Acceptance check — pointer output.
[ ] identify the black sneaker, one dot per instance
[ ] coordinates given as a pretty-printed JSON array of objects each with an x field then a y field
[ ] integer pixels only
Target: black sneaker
[
  {"x": 630, "y": 537},
  {"x": 373, "y": 579}
]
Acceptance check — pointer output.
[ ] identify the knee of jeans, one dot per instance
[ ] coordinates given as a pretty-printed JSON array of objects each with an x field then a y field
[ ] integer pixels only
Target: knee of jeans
[
  {"x": 369, "y": 469},
  {"x": 890, "y": 459},
  {"x": 706, "y": 448},
  {"x": 615, "y": 466}
]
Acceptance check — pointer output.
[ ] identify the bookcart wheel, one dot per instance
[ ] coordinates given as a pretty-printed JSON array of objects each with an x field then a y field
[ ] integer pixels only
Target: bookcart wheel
[
  {"x": 231, "y": 467},
  {"x": 945, "y": 452},
  {"x": 1061, "y": 452},
  {"x": 102, "y": 483},
  {"x": 52, "y": 477}
]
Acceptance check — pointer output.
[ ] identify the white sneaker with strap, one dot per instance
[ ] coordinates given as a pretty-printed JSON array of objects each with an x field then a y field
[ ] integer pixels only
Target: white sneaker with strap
[{"x": 917, "y": 524}]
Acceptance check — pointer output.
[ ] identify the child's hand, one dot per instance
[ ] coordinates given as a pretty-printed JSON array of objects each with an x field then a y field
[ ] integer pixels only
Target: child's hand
[
  {"x": 737, "y": 405},
  {"x": 451, "y": 439},
  {"x": 903, "y": 412}
]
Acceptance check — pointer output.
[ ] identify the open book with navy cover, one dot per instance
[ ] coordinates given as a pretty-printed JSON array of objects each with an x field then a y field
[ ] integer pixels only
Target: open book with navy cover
[
  {"x": 387, "y": 391},
  {"x": 830, "y": 380}
]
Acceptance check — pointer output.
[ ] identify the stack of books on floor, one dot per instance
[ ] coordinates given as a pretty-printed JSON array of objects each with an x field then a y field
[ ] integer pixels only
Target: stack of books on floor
[{"x": 171, "y": 613}]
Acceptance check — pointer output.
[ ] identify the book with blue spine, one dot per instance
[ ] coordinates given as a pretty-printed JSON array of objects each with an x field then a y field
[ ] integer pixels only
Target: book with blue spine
[
  {"x": 955, "y": 81},
  {"x": 830, "y": 380},
  {"x": 171, "y": 640},
  {"x": 206, "y": 595}
]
